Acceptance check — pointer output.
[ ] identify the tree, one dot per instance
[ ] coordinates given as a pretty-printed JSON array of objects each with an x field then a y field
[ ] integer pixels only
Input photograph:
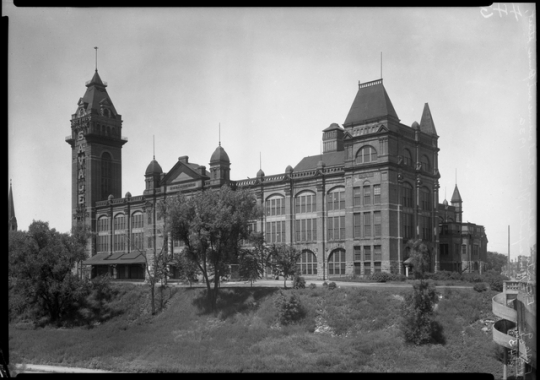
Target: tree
[
  {"x": 283, "y": 260},
  {"x": 495, "y": 261},
  {"x": 420, "y": 253},
  {"x": 211, "y": 224},
  {"x": 187, "y": 269},
  {"x": 253, "y": 261},
  {"x": 41, "y": 263}
]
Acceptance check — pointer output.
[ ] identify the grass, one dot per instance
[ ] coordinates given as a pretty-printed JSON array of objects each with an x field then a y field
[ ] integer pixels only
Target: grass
[{"x": 362, "y": 334}]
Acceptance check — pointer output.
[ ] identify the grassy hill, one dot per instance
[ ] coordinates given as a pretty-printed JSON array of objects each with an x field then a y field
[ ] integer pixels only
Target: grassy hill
[{"x": 345, "y": 329}]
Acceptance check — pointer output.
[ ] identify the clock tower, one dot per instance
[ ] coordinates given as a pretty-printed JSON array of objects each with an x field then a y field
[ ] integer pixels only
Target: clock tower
[{"x": 96, "y": 153}]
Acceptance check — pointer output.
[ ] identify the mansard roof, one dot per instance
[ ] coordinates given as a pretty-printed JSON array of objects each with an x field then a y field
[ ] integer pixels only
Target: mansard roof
[
  {"x": 371, "y": 102},
  {"x": 329, "y": 159},
  {"x": 426, "y": 123},
  {"x": 96, "y": 95}
]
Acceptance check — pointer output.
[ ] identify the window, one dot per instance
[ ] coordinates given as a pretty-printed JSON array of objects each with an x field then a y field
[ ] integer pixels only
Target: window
[
  {"x": 150, "y": 242},
  {"x": 377, "y": 223},
  {"x": 366, "y": 154},
  {"x": 463, "y": 249},
  {"x": 367, "y": 195},
  {"x": 425, "y": 164},
  {"x": 377, "y": 253},
  {"x": 307, "y": 262},
  {"x": 357, "y": 196},
  {"x": 137, "y": 220},
  {"x": 367, "y": 224},
  {"x": 137, "y": 241},
  {"x": 336, "y": 227},
  {"x": 407, "y": 195},
  {"x": 407, "y": 158},
  {"x": 103, "y": 243},
  {"x": 149, "y": 214},
  {"x": 408, "y": 230},
  {"x": 425, "y": 201},
  {"x": 306, "y": 229},
  {"x": 357, "y": 225},
  {"x": 106, "y": 175},
  {"x": 425, "y": 224},
  {"x": 357, "y": 253},
  {"x": 275, "y": 232},
  {"x": 305, "y": 203},
  {"x": 367, "y": 253},
  {"x": 336, "y": 200},
  {"x": 377, "y": 267},
  {"x": 336, "y": 262},
  {"x": 357, "y": 269},
  {"x": 103, "y": 224},
  {"x": 275, "y": 206},
  {"x": 367, "y": 269},
  {"x": 444, "y": 249},
  {"x": 456, "y": 249},
  {"x": 376, "y": 194}
]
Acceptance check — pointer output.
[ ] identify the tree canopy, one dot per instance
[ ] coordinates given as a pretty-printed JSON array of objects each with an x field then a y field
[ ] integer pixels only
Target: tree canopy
[
  {"x": 211, "y": 224},
  {"x": 421, "y": 257}
]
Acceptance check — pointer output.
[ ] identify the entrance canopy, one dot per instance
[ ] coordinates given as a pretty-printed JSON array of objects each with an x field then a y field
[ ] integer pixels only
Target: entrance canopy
[{"x": 116, "y": 258}]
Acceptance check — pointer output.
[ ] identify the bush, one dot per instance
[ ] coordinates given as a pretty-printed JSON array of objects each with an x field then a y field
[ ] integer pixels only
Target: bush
[
  {"x": 456, "y": 276},
  {"x": 332, "y": 285},
  {"x": 289, "y": 309},
  {"x": 416, "y": 324},
  {"x": 312, "y": 285},
  {"x": 380, "y": 277},
  {"x": 299, "y": 282},
  {"x": 428, "y": 275},
  {"x": 471, "y": 277},
  {"x": 325, "y": 284},
  {"x": 480, "y": 287},
  {"x": 397, "y": 277},
  {"x": 442, "y": 275},
  {"x": 496, "y": 281}
]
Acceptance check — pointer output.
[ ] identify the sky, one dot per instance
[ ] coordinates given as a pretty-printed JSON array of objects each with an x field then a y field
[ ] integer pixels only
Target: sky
[{"x": 273, "y": 79}]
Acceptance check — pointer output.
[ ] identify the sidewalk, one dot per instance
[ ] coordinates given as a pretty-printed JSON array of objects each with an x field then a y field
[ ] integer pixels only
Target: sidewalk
[{"x": 40, "y": 368}]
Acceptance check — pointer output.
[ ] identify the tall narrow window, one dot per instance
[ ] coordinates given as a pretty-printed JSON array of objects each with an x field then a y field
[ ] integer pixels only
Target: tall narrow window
[
  {"x": 357, "y": 253},
  {"x": 366, "y": 154},
  {"x": 377, "y": 223},
  {"x": 342, "y": 228},
  {"x": 357, "y": 196},
  {"x": 367, "y": 224},
  {"x": 407, "y": 195},
  {"x": 376, "y": 194},
  {"x": 367, "y": 195},
  {"x": 377, "y": 253},
  {"x": 357, "y": 225},
  {"x": 330, "y": 223},
  {"x": 425, "y": 164},
  {"x": 106, "y": 175}
]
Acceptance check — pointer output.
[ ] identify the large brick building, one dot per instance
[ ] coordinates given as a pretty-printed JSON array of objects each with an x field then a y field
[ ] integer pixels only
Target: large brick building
[{"x": 350, "y": 210}]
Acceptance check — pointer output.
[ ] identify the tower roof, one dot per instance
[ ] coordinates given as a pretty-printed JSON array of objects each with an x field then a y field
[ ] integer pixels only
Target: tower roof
[
  {"x": 332, "y": 127},
  {"x": 11, "y": 210},
  {"x": 371, "y": 102},
  {"x": 96, "y": 95},
  {"x": 426, "y": 123},
  {"x": 456, "y": 197},
  {"x": 219, "y": 155},
  {"x": 153, "y": 168}
]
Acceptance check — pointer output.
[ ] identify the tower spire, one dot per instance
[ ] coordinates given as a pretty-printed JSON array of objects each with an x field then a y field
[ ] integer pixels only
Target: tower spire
[
  {"x": 95, "y": 47},
  {"x": 219, "y": 134},
  {"x": 11, "y": 210},
  {"x": 153, "y": 147}
]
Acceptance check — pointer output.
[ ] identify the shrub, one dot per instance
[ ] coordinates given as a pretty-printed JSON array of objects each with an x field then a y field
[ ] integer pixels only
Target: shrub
[
  {"x": 428, "y": 276},
  {"x": 455, "y": 276},
  {"x": 325, "y": 284},
  {"x": 471, "y": 277},
  {"x": 442, "y": 275},
  {"x": 299, "y": 282},
  {"x": 332, "y": 285},
  {"x": 380, "y": 277},
  {"x": 289, "y": 308},
  {"x": 397, "y": 277},
  {"x": 312, "y": 285},
  {"x": 480, "y": 287},
  {"x": 496, "y": 282},
  {"x": 416, "y": 324}
]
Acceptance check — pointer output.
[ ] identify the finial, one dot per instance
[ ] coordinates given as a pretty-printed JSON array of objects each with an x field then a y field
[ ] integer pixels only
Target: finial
[
  {"x": 260, "y": 160},
  {"x": 456, "y": 176},
  {"x": 219, "y": 136},
  {"x": 381, "y": 64},
  {"x": 95, "y": 47},
  {"x": 153, "y": 148}
]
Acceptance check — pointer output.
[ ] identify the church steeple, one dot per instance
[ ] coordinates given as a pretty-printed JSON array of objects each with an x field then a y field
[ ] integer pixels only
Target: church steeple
[
  {"x": 11, "y": 211},
  {"x": 426, "y": 122},
  {"x": 457, "y": 203}
]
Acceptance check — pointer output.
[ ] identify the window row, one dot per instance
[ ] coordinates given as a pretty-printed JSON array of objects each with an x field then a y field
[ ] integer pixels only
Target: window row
[
  {"x": 120, "y": 242},
  {"x": 275, "y": 206},
  {"x": 307, "y": 262},
  {"x": 119, "y": 222},
  {"x": 407, "y": 199},
  {"x": 365, "y": 196},
  {"x": 275, "y": 232},
  {"x": 305, "y": 229},
  {"x": 364, "y": 253},
  {"x": 367, "y": 224}
]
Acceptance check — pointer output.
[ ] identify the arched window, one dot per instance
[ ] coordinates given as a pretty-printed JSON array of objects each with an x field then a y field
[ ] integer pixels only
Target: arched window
[
  {"x": 119, "y": 232},
  {"x": 407, "y": 158},
  {"x": 103, "y": 234},
  {"x": 336, "y": 262},
  {"x": 137, "y": 234},
  {"x": 425, "y": 199},
  {"x": 275, "y": 205},
  {"x": 366, "y": 154},
  {"x": 407, "y": 195},
  {"x": 307, "y": 263},
  {"x": 425, "y": 163},
  {"x": 335, "y": 199},
  {"x": 106, "y": 175},
  {"x": 305, "y": 202}
]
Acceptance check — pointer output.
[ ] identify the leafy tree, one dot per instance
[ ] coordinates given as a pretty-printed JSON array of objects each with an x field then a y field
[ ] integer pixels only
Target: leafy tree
[
  {"x": 495, "y": 261},
  {"x": 187, "y": 269},
  {"x": 41, "y": 262},
  {"x": 420, "y": 253},
  {"x": 211, "y": 224},
  {"x": 253, "y": 261},
  {"x": 283, "y": 260}
]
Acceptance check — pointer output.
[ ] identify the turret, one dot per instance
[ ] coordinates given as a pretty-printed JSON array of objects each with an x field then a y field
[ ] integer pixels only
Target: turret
[{"x": 457, "y": 202}]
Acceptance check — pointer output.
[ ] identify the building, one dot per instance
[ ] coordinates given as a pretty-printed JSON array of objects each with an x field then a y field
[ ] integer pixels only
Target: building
[{"x": 350, "y": 210}]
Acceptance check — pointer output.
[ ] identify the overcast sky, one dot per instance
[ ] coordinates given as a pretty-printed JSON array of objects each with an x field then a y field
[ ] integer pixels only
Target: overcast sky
[{"x": 275, "y": 78}]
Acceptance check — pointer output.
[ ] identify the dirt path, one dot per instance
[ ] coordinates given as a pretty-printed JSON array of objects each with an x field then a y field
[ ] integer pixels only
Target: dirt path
[{"x": 39, "y": 368}]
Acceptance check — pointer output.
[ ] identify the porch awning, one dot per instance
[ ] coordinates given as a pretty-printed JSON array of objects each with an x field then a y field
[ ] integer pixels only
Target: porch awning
[
  {"x": 116, "y": 258},
  {"x": 408, "y": 261}
]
